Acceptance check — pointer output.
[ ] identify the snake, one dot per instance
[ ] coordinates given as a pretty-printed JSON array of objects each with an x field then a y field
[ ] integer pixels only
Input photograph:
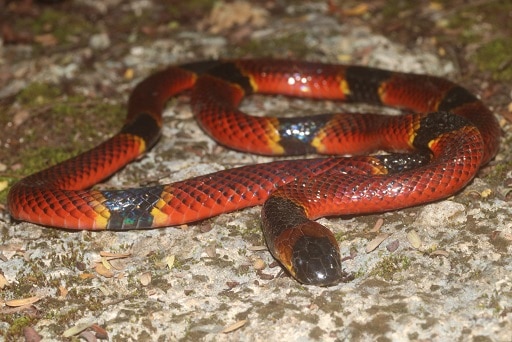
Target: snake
[{"x": 354, "y": 164}]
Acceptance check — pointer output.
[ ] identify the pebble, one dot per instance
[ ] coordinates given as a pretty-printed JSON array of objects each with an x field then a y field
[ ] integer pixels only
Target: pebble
[{"x": 99, "y": 41}]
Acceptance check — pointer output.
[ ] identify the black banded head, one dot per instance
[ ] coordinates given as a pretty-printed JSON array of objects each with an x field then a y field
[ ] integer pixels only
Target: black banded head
[{"x": 310, "y": 254}]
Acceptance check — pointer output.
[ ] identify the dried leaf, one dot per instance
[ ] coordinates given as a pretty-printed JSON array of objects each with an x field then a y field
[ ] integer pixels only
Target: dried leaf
[
  {"x": 88, "y": 336},
  {"x": 3, "y": 281},
  {"x": 117, "y": 264},
  {"x": 259, "y": 264},
  {"x": 106, "y": 292},
  {"x": 414, "y": 239},
  {"x": 20, "y": 117},
  {"x": 393, "y": 246},
  {"x": 86, "y": 276},
  {"x": 486, "y": 193},
  {"x": 47, "y": 39},
  {"x": 377, "y": 226},
  {"x": 169, "y": 260},
  {"x": 102, "y": 270},
  {"x": 3, "y": 185},
  {"x": 439, "y": 252},
  {"x": 435, "y": 6},
  {"x": 358, "y": 10},
  {"x": 63, "y": 292},
  {"x": 264, "y": 276},
  {"x": 23, "y": 301},
  {"x": 234, "y": 326},
  {"x": 100, "y": 332},
  {"x": 31, "y": 335},
  {"x": 77, "y": 329},
  {"x": 257, "y": 248},
  {"x": 372, "y": 245},
  {"x": 128, "y": 74},
  {"x": 112, "y": 256},
  {"x": 105, "y": 263},
  {"x": 145, "y": 278}
]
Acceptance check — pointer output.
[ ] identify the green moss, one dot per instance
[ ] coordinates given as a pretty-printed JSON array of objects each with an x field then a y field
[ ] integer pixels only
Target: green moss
[
  {"x": 494, "y": 57},
  {"x": 243, "y": 270},
  {"x": 250, "y": 232},
  {"x": 38, "y": 94},
  {"x": 16, "y": 328},
  {"x": 26, "y": 283},
  {"x": 472, "y": 23},
  {"x": 67, "y": 124},
  {"x": 391, "y": 264},
  {"x": 63, "y": 315},
  {"x": 64, "y": 26},
  {"x": 465, "y": 22},
  {"x": 39, "y": 158},
  {"x": 340, "y": 236},
  {"x": 499, "y": 171}
]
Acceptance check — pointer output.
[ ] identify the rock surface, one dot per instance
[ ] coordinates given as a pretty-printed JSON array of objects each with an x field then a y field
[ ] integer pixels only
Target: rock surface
[{"x": 443, "y": 273}]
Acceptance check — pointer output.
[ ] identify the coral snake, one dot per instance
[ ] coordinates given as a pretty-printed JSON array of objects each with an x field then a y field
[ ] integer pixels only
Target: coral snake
[{"x": 434, "y": 149}]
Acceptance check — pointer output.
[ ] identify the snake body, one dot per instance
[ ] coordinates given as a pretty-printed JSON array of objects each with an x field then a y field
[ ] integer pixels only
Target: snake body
[{"x": 436, "y": 148}]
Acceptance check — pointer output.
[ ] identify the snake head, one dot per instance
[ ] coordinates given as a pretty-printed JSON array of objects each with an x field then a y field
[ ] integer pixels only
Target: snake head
[{"x": 310, "y": 253}]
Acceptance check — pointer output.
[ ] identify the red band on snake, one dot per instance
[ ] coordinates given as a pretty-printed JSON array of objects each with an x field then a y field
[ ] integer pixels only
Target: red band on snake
[{"x": 435, "y": 150}]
